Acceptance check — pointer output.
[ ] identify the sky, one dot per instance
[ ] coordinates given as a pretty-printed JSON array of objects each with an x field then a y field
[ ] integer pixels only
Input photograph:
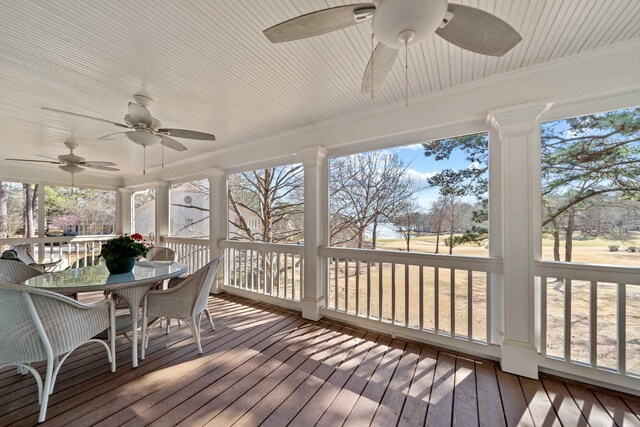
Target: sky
[{"x": 420, "y": 168}]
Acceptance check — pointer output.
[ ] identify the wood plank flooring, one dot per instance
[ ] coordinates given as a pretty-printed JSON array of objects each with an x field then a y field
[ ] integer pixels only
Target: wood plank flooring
[{"x": 267, "y": 366}]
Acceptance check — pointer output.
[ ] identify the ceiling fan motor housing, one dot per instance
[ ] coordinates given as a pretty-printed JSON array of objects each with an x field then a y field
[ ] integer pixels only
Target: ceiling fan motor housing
[{"x": 393, "y": 18}]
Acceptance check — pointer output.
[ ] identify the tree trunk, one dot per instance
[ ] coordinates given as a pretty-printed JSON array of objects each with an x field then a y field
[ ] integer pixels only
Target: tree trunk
[
  {"x": 556, "y": 240},
  {"x": 568, "y": 241},
  {"x": 375, "y": 233},
  {"x": 408, "y": 239},
  {"x": 28, "y": 211},
  {"x": 438, "y": 231},
  {"x": 34, "y": 205},
  {"x": 451, "y": 241},
  {"x": 360, "y": 239},
  {"x": 556, "y": 244},
  {"x": 4, "y": 213}
]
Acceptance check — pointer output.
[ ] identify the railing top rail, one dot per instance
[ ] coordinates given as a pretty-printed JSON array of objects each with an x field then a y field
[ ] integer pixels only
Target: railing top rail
[
  {"x": 487, "y": 264},
  {"x": 60, "y": 239},
  {"x": 187, "y": 240},
  {"x": 262, "y": 246},
  {"x": 588, "y": 272}
]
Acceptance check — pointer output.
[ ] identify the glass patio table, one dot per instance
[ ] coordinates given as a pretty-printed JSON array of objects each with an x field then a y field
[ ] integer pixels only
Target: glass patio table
[{"x": 131, "y": 287}]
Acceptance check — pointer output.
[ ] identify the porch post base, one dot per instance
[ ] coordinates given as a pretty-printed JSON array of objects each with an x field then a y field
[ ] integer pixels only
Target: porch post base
[
  {"x": 311, "y": 308},
  {"x": 520, "y": 359}
]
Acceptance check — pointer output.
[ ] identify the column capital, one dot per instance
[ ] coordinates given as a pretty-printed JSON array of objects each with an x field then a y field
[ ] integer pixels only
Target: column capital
[
  {"x": 312, "y": 156},
  {"x": 215, "y": 173},
  {"x": 161, "y": 183},
  {"x": 518, "y": 118},
  {"x": 124, "y": 190}
]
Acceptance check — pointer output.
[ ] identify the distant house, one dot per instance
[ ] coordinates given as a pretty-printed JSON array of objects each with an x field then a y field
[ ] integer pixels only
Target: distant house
[{"x": 188, "y": 215}]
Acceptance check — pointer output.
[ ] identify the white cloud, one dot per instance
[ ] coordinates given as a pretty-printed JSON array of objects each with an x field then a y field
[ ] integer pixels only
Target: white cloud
[
  {"x": 421, "y": 177},
  {"x": 413, "y": 147},
  {"x": 474, "y": 166}
]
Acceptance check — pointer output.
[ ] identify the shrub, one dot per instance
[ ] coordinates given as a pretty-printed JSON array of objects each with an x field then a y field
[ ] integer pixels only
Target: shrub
[
  {"x": 632, "y": 249},
  {"x": 614, "y": 248}
]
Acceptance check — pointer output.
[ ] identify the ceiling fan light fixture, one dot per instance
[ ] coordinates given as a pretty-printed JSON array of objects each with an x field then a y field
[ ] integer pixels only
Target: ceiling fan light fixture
[
  {"x": 71, "y": 168},
  {"x": 143, "y": 137},
  {"x": 392, "y": 18}
]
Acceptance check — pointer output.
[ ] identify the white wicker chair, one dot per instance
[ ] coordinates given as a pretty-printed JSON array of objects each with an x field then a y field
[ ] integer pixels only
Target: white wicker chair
[
  {"x": 187, "y": 301},
  {"x": 24, "y": 255},
  {"x": 39, "y": 325},
  {"x": 161, "y": 253},
  {"x": 16, "y": 271}
]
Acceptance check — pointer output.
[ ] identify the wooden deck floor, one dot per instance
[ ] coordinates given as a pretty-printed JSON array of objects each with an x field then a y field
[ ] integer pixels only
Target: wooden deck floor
[{"x": 268, "y": 366}]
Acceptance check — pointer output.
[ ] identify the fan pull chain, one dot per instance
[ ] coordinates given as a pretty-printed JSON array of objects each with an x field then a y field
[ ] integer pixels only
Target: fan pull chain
[
  {"x": 144, "y": 160},
  {"x": 372, "y": 67},
  {"x": 162, "y": 156},
  {"x": 406, "y": 74}
]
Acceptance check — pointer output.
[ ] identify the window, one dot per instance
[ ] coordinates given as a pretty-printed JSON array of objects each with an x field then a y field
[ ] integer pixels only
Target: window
[
  {"x": 591, "y": 188},
  {"x": 429, "y": 197},
  {"x": 144, "y": 209},
  {"x": 190, "y": 209},
  {"x": 79, "y": 211},
  {"x": 267, "y": 205}
]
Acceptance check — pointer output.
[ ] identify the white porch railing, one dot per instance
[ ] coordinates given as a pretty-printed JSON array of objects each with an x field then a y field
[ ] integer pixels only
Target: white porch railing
[
  {"x": 193, "y": 252},
  {"x": 445, "y": 296},
  {"x": 589, "y": 318},
  {"x": 71, "y": 249},
  {"x": 275, "y": 270}
]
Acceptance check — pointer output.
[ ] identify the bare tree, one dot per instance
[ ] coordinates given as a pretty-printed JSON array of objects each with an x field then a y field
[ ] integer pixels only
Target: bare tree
[
  {"x": 365, "y": 188},
  {"x": 267, "y": 205},
  {"x": 455, "y": 212},
  {"x": 30, "y": 206},
  {"x": 437, "y": 215},
  {"x": 407, "y": 220}
]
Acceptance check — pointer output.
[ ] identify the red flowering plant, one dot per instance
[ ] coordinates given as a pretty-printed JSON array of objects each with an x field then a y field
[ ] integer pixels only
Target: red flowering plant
[
  {"x": 122, "y": 247},
  {"x": 140, "y": 239}
]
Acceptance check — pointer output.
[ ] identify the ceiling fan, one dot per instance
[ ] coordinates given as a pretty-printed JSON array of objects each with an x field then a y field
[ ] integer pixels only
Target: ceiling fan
[
  {"x": 143, "y": 129},
  {"x": 72, "y": 163},
  {"x": 398, "y": 24}
]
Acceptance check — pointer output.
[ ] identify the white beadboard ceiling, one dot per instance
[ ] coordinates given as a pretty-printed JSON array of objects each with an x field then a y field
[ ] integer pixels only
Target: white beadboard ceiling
[{"x": 208, "y": 67}]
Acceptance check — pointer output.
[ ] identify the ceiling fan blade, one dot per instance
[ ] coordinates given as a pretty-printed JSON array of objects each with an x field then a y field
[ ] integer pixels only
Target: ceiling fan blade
[
  {"x": 172, "y": 143},
  {"x": 90, "y": 163},
  {"x": 36, "y": 161},
  {"x": 99, "y": 165},
  {"x": 140, "y": 114},
  {"x": 84, "y": 116},
  {"x": 189, "y": 134},
  {"x": 378, "y": 67},
  {"x": 113, "y": 136},
  {"x": 317, "y": 23},
  {"x": 478, "y": 31},
  {"x": 46, "y": 157}
]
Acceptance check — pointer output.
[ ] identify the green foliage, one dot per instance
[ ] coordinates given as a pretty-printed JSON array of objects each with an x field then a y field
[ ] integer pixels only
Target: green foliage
[
  {"x": 464, "y": 182},
  {"x": 477, "y": 236},
  {"x": 122, "y": 247},
  {"x": 588, "y": 156}
]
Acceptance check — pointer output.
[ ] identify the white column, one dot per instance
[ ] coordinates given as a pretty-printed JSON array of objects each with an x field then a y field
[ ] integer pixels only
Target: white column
[
  {"x": 42, "y": 224},
  {"x": 162, "y": 210},
  {"x": 124, "y": 213},
  {"x": 495, "y": 232},
  {"x": 218, "y": 219},
  {"x": 316, "y": 229},
  {"x": 519, "y": 132}
]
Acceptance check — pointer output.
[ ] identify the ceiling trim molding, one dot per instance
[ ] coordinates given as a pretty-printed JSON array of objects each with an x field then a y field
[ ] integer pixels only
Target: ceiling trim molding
[{"x": 592, "y": 77}]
